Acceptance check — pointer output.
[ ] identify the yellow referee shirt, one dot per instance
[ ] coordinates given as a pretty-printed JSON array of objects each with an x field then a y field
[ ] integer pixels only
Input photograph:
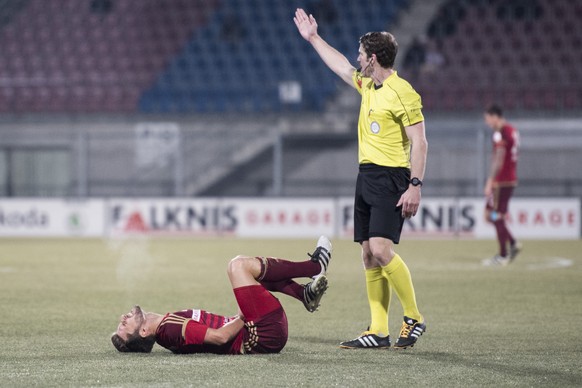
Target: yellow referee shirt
[{"x": 385, "y": 111}]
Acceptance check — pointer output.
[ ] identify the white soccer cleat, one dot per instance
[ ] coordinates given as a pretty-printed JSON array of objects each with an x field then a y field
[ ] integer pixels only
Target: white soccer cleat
[
  {"x": 313, "y": 292},
  {"x": 496, "y": 261},
  {"x": 322, "y": 254}
]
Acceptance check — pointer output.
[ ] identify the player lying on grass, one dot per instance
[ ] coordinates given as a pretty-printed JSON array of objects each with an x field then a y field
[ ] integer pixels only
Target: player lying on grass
[{"x": 260, "y": 327}]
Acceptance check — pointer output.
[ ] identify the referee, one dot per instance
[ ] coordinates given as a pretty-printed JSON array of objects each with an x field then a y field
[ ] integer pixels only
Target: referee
[{"x": 392, "y": 157}]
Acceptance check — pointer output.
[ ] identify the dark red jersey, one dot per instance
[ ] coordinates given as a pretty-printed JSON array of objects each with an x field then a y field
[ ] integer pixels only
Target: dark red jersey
[
  {"x": 184, "y": 332},
  {"x": 507, "y": 138},
  {"x": 265, "y": 329}
]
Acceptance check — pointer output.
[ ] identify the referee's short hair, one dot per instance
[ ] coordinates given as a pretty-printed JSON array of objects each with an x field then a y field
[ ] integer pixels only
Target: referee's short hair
[
  {"x": 381, "y": 43},
  {"x": 494, "y": 110}
]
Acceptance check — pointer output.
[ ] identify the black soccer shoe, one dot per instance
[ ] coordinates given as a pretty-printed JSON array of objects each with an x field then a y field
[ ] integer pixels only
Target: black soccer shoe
[
  {"x": 313, "y": 292},
  {"x": 322, "y": 254},
  {"x": 514, "y": 250},
  {"x": 409, "y": 333},
  {"x": 367, "y": 341}
]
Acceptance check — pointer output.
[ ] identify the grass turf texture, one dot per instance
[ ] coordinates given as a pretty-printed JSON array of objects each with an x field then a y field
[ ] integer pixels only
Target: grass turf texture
[{"x": 514, "y": 326}]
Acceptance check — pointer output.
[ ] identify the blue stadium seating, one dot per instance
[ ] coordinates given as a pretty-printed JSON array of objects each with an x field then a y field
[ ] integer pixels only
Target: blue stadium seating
[
  {"x": 69, "y": 56},
  {"x": 212, "y": 73}
]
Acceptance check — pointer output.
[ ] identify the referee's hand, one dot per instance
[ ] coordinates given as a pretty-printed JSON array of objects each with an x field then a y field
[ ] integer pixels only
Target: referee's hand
[
  {"x": 410, "y": 201},
  {"x": 306, "y": 25}
]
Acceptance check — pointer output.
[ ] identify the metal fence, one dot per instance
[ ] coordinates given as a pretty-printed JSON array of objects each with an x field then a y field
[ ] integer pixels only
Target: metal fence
[{"x": 163, "y": 158}]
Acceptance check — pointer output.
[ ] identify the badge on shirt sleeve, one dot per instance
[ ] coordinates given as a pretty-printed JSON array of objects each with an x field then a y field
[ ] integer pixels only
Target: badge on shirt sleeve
[{"x": 375, "y": 127}]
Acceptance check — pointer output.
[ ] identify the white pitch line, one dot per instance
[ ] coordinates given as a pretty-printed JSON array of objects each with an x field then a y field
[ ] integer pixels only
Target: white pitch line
[{"x": 551, "y": 263}]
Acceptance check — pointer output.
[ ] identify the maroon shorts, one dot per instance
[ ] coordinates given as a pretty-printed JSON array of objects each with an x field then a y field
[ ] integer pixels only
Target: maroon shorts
[
  {"x": 499, "y": 199},
  {"x": 266, "y": 323}
]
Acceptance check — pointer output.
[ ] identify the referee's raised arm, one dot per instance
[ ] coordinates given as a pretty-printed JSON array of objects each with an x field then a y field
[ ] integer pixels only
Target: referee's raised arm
[{"x": 335, "y": 60}]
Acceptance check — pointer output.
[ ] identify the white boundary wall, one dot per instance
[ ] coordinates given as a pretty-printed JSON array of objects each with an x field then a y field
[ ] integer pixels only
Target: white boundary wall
[
  {"x": 52, "y": 218},
  {"x": 530, "y": 218}
]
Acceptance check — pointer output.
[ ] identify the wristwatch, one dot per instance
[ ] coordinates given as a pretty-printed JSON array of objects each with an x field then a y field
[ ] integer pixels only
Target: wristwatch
[{"x": 415, "y": 182}]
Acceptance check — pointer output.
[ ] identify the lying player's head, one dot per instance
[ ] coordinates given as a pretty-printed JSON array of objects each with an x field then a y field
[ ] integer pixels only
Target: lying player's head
[
  {"x": 129, "y": 335},
  {"x": 382, "y": 44},
  {"x": 493, "y": 116}
]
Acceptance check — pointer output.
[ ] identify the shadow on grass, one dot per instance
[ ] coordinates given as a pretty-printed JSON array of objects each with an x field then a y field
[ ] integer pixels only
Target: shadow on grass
[
  {"x": 316, "y": 340},
  {"x": 502, "y": 366}
]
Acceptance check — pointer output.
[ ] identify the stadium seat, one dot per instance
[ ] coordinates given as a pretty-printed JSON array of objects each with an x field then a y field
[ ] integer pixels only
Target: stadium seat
[
  {"x": 249, "y": 68},
  {"x": 63, "y": 40},
  {"x": 520, "y": 44}
]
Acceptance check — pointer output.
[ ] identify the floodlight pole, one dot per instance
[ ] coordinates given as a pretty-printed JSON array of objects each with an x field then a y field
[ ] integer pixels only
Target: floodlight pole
[
  {"x": 178, "y": 168},
  {"x": 278, "y": 166},
  {"x": 82, "y": 163},
  {"x": 481, "y": 167}
]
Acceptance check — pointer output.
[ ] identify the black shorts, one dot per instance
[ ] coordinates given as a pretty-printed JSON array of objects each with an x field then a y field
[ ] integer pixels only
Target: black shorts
[{"x": 378, "y": 190}]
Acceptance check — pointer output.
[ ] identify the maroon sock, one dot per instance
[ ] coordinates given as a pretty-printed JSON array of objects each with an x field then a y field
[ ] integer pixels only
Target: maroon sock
[
  {"x": 275, "y": 270},
  {"x": 502, "y": 236},
  {"x": 287, "y": 287}
]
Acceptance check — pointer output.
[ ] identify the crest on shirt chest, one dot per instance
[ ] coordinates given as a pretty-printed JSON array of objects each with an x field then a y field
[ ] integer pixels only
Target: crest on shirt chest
[{"x": 374, "y": 125}]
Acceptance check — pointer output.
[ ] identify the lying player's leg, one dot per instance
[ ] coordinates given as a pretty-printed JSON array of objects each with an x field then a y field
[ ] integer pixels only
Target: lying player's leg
[
  {"x": 309, "y": 294},
  {"x": 287, "y": 287},
  {"x": 276, "y": 274},
  {"x": 265, "y": 320},
  {"x": 275, "y": 269},
  {"x": 244, "y": 271}
]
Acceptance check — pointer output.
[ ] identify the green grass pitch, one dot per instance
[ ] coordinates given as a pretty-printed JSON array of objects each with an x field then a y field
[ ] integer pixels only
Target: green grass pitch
[{"x": 514, "y": 326}]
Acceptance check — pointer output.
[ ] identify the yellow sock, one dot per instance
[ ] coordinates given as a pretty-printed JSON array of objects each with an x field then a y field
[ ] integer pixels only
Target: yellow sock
[
  {"x": 399, "y": 277},
  {"x": 379, "y": 300}
]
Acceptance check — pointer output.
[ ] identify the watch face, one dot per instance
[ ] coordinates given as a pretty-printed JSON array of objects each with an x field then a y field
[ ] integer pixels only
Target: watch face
[{"x": 415, "y": 182}]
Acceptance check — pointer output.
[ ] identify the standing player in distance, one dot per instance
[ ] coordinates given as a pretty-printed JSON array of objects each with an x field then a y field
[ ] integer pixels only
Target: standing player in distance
[
  {"x": 260, "y": 326},
  {"x": 501, "y": 183},
  {"x": 392, "y": 148}
]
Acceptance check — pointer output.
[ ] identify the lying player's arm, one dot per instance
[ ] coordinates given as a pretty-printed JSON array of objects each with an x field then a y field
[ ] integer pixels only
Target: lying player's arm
[
  {"x": 225, "y": 334},
  {"x": 335, "y": 60}
]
